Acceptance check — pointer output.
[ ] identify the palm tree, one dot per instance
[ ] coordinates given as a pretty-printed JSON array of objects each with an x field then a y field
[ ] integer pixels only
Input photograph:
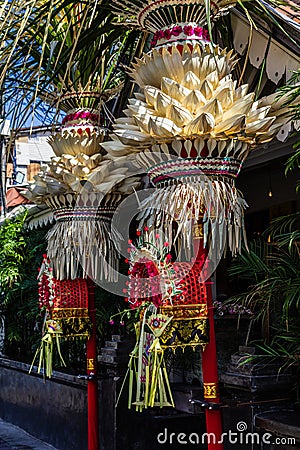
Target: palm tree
[
  {"x": 53, "y": 47},
  {"x": 60, "y": 51}
]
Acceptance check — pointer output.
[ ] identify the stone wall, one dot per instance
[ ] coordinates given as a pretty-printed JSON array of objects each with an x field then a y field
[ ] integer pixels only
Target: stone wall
[{"x": 54, "y": 411}]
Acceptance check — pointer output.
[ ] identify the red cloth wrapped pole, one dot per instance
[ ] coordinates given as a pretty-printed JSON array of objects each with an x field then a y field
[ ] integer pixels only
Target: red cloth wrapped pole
[
  {"x": 92, "y": 386},
  {"x": 209, "y": 360}
]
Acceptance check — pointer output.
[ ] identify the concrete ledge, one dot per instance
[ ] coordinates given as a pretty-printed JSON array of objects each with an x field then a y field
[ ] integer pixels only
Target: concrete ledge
[
  {"x": 58, "y": 377},
  {"x": 280, "y": 423},
  {"x": 54, "y": 411}
]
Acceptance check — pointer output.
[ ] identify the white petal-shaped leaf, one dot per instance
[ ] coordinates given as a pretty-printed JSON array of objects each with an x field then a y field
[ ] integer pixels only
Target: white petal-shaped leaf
[
  {"x": 127, "y": 120},
  {"x": 179, "y": 115},
  {"x": 233, "y": 124},
  {"x": 117, "y": 148},
  {"x": 213, "y": 78},
  {"x": 225, "y": 95},
  {"x": 160, "y": 126},
  {"x": 206, "y": 89},
  {"x": 191, "y": 81},
  {"x": 173, "y": 64},
  {"x": 259, "y": 125},
  {"x": 192, "y": 61},
  {"x": 241, "y": 106},
  {"x": 194, "y": 101},
  {"x": 138, "y": 111},
  {"x": 257, "y": 114},
  {"x": 139, "y": 96},
  {"x": 82, "y": 158},
  {"x": 97, "y": 176},
  {"x": 80, "y": 171},
  {"x": 151, "y": 93},
  {"x": 174, "y": 89},
  {"x": 69, "y": 178},
  {"x": 203, "y": 124},
  {"x": 128, "y": 137},
  {"x": 149, "y": 70},
  {"x": 134, "y": 102},
  {"x": 268, "y": 135},
  {"x": 240, "y": 92},
  {"x": 204, "y": 66},
  {"x": 162, "y": 102},
  {"x": 214, "y": 108}
]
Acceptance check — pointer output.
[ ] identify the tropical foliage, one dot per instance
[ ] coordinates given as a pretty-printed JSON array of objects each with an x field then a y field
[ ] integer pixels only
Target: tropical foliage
[
  {"x": 20, "y": 251},
  {"x": 58, "y": 48},
  {"x": 272, "y": 273},
  {"x": 292, "y": 90},
  {"x": 272, "y": 270}
]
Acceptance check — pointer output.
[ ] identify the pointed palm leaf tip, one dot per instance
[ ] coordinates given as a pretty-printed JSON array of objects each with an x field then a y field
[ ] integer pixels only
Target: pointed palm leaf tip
[{"x": 190, "y": 122}]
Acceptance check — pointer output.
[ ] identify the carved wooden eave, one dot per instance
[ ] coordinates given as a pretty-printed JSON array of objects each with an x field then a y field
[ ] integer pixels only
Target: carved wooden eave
[{"x": 280, "y": 56}]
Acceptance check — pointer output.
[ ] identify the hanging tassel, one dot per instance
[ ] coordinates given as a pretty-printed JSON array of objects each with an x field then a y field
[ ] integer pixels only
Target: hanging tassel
[
  {"x": 146, "y": 366},
  {"x": 217, "y": 202},
  {"x": 45, "y": 351}
]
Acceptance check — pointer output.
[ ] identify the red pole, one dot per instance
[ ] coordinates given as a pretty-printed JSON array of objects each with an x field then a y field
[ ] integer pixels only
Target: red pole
[
  {"x": 92, "y": 385},
  {"x": 209, "y": 358}
]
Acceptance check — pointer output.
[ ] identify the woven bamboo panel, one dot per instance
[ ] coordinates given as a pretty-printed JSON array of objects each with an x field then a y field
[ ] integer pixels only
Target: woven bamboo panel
[{"x": 71, "y": 294}]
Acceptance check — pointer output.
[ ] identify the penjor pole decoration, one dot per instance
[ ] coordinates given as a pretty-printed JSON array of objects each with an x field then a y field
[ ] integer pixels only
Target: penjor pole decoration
[
  {"x": 191, "y": 127},
  {"x": 83, "y": 186}
]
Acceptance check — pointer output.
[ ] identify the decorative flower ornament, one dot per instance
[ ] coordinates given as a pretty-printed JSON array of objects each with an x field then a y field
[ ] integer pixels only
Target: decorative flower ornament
[
  {"x": 171, "y": 301},
  {"x": 178, "y": 33}
]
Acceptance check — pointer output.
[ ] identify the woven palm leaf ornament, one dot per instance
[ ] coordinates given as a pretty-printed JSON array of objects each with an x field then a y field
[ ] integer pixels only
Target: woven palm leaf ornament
[
  {"x": 171, "y": 301},
  {"x": 191, "y": 125},
  {"x": 83, "y": 186},
  {"x": 65, "y": 305}
]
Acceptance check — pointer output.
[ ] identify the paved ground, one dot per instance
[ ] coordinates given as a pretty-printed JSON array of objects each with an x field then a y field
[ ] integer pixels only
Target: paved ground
[{"x": 14, "y": 438}]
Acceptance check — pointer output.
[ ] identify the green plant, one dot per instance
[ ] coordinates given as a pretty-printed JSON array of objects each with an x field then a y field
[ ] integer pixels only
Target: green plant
[
  {"x": 58, "y": 48},
  {"x": 12, "y": 253},
  {"x": 20, "y": 251},
  {"x": 272, "y": 272}
]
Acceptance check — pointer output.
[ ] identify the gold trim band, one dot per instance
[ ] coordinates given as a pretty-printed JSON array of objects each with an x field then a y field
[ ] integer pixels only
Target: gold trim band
[
  {"x": 66, "y": 313},
  {"x": 184, "y": 312},
  {"x": 210, "y": 390}
]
